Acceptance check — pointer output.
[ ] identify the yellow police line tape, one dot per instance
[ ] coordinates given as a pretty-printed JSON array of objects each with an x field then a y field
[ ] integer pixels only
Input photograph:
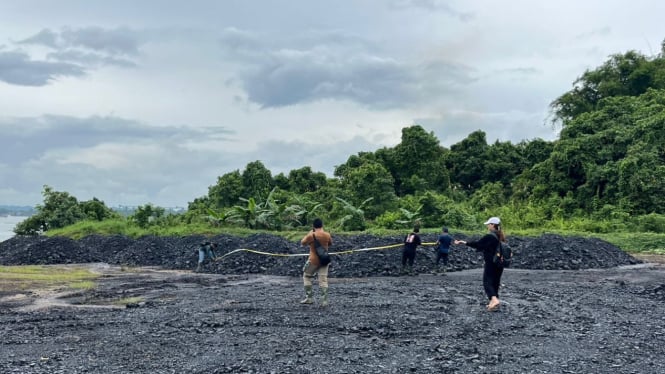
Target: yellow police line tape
[{"x": 307, "y": 254}]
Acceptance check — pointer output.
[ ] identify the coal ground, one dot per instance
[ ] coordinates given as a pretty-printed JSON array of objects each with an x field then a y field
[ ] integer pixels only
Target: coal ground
[{"x": 570, "y": 305}]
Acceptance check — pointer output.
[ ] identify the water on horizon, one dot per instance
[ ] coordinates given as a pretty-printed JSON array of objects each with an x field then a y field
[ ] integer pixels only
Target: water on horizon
[{"x": 7, "y": 224}]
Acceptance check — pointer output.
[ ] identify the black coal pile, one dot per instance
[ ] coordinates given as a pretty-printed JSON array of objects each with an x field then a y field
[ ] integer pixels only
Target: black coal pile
[
  {"x": 554, "y": 252},
  {"x": 43, "y": 251},
  {"x": 548, "y": 252}
]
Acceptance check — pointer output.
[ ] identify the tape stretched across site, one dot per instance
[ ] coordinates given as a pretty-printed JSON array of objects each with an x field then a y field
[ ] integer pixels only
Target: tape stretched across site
[{"x": 350, "y": 251}]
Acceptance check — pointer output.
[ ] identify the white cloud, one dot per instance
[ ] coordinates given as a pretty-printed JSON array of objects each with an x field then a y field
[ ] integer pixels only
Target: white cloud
[
  {"x": 118, "y": 101},
  {"x": 338, "y": 67}
]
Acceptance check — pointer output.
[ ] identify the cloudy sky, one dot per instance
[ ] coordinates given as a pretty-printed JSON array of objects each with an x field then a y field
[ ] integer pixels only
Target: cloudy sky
[{"x": 137, "y": 102}]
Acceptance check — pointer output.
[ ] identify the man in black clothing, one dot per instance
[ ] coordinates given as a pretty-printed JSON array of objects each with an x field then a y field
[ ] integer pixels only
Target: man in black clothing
[{"x": 411, "y": 242}]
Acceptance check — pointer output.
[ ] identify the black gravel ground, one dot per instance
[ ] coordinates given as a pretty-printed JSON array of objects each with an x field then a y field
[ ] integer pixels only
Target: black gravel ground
[{"x": 570, "y": 305}]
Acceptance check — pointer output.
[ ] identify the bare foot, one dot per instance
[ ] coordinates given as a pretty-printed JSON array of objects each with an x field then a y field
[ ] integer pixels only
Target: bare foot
[{"x": 493, "y": 305}]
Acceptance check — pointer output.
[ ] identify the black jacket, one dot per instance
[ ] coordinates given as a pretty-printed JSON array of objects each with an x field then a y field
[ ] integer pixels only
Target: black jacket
[
  {"x": 487, "y": 245},
  {"x": 412, "y": 241}
]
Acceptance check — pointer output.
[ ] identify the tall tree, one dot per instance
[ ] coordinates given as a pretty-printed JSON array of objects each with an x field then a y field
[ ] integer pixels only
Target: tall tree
[
  {"x": 371, "y": 181},
  {"x": 60, "y": 209},
  {"x": 256, "y": 180},
  {"x": 227, "y": 191},
  {"x": 612, "y": 155},
  {"x": 466, "y": 161},
  {"x": 417, "y": 162},
  {"x": 305, "y": 180},
  {"x": 628, "y": 74},
  {"x": 95, "y": 209}
]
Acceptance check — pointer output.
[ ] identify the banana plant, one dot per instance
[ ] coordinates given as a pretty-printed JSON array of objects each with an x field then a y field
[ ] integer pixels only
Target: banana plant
[
  {"x": 247, "y": 213},
  {"x": 298, "y": 214},
  {"x": 354, "y": 220},
  {"x": 411, "y": 218},
  {"x": 221, "y": 217}
]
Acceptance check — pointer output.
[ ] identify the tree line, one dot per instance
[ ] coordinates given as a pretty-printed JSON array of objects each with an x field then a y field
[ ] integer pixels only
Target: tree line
[{"x": 606, "y": 171}]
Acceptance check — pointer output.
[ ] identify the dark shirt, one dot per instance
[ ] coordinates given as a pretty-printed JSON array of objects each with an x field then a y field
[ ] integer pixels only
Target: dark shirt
[
  {"x": 487, "y": 245},
  {"x": 444, "y": 243},
  {"x": 412, "y": 241}
]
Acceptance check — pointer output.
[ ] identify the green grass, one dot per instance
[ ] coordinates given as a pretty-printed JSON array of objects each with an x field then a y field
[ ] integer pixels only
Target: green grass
[
  {"x": 633, "y": 242},
  {"x": 124, "y": 227},
  {"x": 640, "y": 242},
  {"x": 128, "y": 300},
  {"x": 37, "y": 276}
]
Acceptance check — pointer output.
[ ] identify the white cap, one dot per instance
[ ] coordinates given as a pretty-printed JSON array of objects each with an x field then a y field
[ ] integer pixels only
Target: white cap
[{"x": 493, "y": 220}]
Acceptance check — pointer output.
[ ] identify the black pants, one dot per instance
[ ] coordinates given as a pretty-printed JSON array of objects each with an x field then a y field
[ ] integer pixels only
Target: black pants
[
  {"x": 492, "y": 279},
  {"x": 442, "y": 256},
  {"x": 408, "y": 255}
]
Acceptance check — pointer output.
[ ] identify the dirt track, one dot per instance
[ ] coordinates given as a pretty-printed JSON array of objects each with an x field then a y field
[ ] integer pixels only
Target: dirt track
[{"x": 609, "y": 320}]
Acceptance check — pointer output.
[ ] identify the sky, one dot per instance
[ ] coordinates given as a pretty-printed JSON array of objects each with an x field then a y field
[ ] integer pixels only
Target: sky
[{"x": 149, "y": 102}]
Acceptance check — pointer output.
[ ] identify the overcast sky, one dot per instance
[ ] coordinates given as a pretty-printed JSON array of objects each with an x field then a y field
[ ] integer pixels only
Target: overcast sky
[{"x": 137, "y": 102}]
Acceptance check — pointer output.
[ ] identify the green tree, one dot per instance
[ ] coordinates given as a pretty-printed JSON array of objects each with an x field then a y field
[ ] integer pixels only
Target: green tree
[
  {"x": 466, "y": 161},
  {"x": 533, "y": 152},
  {"x": 227, "y": 191},
  {"x": 370, "y": 180},
  {"x": 281, "y": 181},
  {"x": 148, "y": 215},
  {"x": 611, "y": 155},
  {"x": 641, "y": 179},
  {"x": 488, "y": 198},
  {"x": 95, "y": 209},
  {"x": 60, "y": 209},
  {"x": 502, "y": 165},
  {"x": 305, "y": 180},
  {"x": 256, "y": 180},
  {"x": 628, "y": 74},
  {"x": 417, "y": 162}
]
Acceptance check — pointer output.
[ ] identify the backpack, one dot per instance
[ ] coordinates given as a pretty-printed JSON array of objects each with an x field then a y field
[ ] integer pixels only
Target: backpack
[
  {"x": 324, "y": 257},
  {"x": 503, "y": 255}
]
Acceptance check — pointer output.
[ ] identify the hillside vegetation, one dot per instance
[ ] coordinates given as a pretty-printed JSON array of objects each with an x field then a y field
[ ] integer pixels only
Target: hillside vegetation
[{"x": 603, "y": 176}]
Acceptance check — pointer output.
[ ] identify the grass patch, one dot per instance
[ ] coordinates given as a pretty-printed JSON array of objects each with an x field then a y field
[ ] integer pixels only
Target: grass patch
[
  {"x": 40, "y": 276},
  {"x": 640, "y": 242},
  {"x": 629, "y": 241},
  {"x": 128, "y": 300},
  {"x": 82, "y": 285}
]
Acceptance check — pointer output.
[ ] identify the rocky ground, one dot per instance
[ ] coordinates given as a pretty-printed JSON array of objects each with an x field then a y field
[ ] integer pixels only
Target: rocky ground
[{"x": 570, "y": 305}]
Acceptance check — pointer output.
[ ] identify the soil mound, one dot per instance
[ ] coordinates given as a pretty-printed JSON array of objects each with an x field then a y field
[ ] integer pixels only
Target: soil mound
[{"x": 547, "y": 252}]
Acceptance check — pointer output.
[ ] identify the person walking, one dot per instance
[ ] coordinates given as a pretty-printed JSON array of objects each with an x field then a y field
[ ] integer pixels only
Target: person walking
[
  {"x": 313, "y": 265},
  {"x": 205, "y": 251},
  {"x": 443, "y": 248},
  {"x": 411, "y": 242},
  {"x": 491, "y": 273}
]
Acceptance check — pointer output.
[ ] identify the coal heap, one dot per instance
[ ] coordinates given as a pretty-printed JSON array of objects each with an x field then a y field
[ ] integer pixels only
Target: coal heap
[{"x": 546, "y": 252}]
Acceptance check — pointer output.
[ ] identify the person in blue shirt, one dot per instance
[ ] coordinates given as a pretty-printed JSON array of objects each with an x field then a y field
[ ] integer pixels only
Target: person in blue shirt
[
  {"x": 443, "y": 248},
  {"x": 206, "y": 250}
]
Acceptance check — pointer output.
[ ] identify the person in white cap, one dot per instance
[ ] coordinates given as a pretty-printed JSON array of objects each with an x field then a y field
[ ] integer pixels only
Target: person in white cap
[{"x": 491, "y": 273}]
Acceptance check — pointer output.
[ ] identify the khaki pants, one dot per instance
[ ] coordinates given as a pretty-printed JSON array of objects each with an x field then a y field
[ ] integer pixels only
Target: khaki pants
[{"x": 308, "y": 272}]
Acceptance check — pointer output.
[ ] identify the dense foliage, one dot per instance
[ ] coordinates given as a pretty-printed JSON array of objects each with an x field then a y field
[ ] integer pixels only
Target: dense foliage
[
  {"x": 606, "y": 172},
  {"x": 60, "y": 209}
]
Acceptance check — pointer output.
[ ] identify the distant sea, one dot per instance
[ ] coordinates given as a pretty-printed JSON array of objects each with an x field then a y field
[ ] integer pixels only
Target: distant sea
[{"x": 7, "y": 224}]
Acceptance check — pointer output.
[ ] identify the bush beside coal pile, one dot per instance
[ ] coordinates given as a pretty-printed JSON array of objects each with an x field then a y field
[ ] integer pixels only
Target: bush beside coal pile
[{"x": 548, "y": 252}]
